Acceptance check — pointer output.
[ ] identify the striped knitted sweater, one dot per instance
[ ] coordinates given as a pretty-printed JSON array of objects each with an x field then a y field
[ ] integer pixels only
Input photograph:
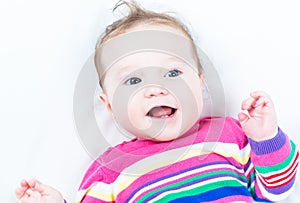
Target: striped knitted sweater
[{"x": 213, "y": 162}]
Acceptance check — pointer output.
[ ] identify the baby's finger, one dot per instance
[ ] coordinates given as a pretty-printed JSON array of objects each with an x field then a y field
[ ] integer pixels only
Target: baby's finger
[
  {"x": 263, "y": 101},
  {"x": 37, "y": 185},
  {"x": 29, "y": 192},
  {"x": 243, "y": 118},
  {"x": 258, "y": 94},
  {"x": 24, "y": 183},
  {"x": 32, "y": 197},
  {"x": 19, "y": 192},
  {"x": 32, "y": 182},
  {"x": 248, "y": 103},
  {"x": 257, "y": 98}
]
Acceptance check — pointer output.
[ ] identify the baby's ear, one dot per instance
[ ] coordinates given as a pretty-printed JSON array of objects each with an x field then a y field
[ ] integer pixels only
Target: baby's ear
[
  {"x": 201, "y": 77},
  {"x": 104, "y": 99}
]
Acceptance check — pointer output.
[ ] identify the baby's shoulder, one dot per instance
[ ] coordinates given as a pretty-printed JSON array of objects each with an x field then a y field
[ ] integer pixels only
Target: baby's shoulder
[
  {"x": 226, "y": 123},
  {"x": 224, "y": 129}
]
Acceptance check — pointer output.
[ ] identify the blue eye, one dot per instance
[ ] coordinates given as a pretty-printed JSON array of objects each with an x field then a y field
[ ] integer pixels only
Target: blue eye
[
  {"x": 173, "y": 73},
  {"x": 133, "y": 81}
]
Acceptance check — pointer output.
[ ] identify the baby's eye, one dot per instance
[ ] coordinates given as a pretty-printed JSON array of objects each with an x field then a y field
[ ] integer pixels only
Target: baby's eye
[
  {"x": 173, "y": 73},
  {"x": 133, "y": 81}
]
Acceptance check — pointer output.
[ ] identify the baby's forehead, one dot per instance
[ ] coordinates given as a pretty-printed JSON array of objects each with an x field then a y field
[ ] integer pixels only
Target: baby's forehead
[
  {"x": 148, "y": 58},
  {"x": 146, "y": 61},
  {"x": 141, "y": 41}
]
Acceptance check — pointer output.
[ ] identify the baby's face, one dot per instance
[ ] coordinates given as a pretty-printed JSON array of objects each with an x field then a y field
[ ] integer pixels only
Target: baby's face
[{"x": 154, "y": 95}]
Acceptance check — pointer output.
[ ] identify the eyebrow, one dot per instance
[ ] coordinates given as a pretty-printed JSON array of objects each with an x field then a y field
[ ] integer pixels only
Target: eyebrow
[
  {"x": 123, "y": 70},
  {"x": 176, "y": 58}
]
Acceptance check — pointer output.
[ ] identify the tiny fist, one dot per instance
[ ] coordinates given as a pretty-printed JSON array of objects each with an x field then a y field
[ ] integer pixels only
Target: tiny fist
[{"x": 242, "y": 117}]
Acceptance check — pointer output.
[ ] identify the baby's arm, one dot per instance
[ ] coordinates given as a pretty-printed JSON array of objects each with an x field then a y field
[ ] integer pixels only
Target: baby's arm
[
  {"x": 261, "y": 121},
  {"x": 274, "y": 158},
  {"x": 33, "y": 191}
]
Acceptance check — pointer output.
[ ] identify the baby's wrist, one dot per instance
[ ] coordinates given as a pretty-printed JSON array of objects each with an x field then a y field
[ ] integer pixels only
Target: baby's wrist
[
  {"x": 269, "y": 145},
  {"x": 269, "y": 135},
  {"x": 263, "y": 135}
]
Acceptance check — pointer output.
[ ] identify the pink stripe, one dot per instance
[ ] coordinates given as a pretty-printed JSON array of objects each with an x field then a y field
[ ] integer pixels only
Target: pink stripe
[
  {"x": 176, "y": 167},
  {"x": 89, "y": 199},
  {"x": 136, "y": 150},
  {"x": 238, "y": 198},
  {"x": 273, "y": 158},
  {"x": 286, "y": 172}
]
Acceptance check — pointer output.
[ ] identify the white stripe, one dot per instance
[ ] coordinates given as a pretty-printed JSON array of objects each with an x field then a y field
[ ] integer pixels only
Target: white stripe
[
  {"x": 164, "y": 159},
  {"x": 98, "y": 187},
  {"x": 104, "y": 188},
  {"x": 274, "y": 197},
  {"x": 167, "y": 158},
  {"x": 284, "y": 176},
  {"x": 80, "y": 195},
  {"x": 194, "y": 186},
  {"x": 281, "y": 170},
  {"x": 279, "y": 183},
  {"x": 198, "y": 170},
  {"x": 249, "y": 169},
  {"x": 252, "y": 184}
]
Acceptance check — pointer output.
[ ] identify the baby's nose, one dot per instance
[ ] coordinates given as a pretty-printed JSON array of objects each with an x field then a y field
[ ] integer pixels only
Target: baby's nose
[{"x": 154, "y": 91}]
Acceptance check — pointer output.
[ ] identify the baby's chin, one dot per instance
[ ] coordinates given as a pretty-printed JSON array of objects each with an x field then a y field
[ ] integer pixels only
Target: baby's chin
[
  {"x": 163, "y": 129},
  {"x": 164, "y": 136}
]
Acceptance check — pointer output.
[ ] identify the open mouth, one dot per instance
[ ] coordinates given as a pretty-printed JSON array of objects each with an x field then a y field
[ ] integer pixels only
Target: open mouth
[{"x": 161, "y": 112}]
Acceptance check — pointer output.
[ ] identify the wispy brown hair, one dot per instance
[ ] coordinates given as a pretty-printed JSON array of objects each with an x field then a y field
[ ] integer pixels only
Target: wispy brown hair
[{"x": 138, "y": 15}]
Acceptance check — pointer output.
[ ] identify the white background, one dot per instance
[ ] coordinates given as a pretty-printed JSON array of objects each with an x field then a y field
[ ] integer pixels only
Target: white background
[{"x": 44, "y": 44}]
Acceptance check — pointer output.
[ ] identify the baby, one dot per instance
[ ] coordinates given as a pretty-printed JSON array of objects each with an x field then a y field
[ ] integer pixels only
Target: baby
[{"x": 152, "y": 83}]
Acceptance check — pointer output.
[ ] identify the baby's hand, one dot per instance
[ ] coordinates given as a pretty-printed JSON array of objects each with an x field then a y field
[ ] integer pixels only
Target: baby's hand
[
  {"x": 33, "y": 191},
  {"x": 261, "y": 121}
]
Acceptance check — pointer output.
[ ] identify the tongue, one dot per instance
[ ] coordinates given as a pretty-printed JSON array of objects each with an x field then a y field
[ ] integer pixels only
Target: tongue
[{"x": 160, "y": 111}]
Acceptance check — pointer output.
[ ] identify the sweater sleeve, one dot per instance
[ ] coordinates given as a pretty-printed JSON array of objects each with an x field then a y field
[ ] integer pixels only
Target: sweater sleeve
[
  {"x": 273, "y": 165},
  {"x": 95, "y": 186}
]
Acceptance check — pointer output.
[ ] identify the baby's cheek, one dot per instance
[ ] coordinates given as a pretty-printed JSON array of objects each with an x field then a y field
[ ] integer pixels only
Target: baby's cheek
[
  {"x": 196, "y": 88},
  {"x": 194, "y": 84},
  {"x": 136, "y": 115}
]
